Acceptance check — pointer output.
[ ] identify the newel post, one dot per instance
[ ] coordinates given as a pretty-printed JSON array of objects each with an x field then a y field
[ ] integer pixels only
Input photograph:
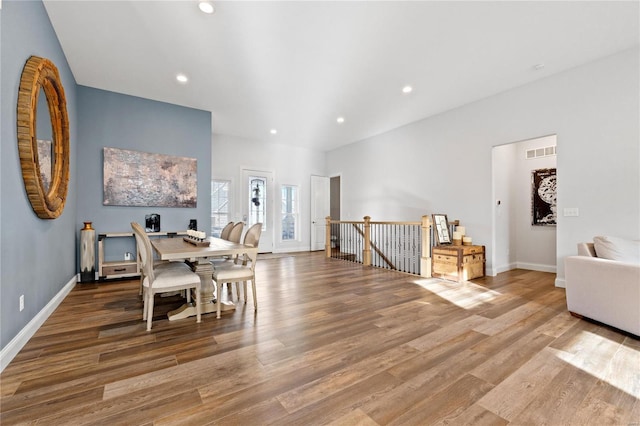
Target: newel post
[
  {"x": 366, "y": 251},
  {"x": 425, "y": 259},
  {"x": 327, "y": 238}
]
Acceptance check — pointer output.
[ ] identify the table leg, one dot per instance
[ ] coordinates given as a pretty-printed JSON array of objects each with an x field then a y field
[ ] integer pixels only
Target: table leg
[{"x": 204, "y": 269}]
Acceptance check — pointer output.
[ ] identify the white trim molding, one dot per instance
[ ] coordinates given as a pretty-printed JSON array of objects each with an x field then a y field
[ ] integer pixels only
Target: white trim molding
[
  {"x": 536, "y": 267},
  {"x": 17, "y": 343}
]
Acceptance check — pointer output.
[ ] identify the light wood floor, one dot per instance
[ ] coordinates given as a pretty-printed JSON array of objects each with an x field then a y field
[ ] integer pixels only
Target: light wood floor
[{"x": 332, "y": 343}]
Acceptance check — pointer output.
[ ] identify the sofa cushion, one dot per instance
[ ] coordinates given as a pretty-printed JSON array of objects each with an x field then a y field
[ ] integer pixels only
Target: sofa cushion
[{"x": 620, "y": 249}]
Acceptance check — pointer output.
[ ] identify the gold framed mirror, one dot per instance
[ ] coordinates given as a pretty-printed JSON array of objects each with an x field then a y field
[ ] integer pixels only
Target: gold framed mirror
[{"x": 43, "y": 139}]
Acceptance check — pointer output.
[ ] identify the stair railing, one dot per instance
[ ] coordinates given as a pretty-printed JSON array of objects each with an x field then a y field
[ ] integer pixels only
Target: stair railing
[{"x": 401, "y": 246}]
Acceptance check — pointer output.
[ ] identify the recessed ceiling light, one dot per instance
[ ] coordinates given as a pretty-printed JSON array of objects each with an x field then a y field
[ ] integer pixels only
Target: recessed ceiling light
[
  {"x": 340, "y": 120},
  {"x": 206, "y": 7},
  {"x": 182, "y": 78},
  {"x": 407, "y": 89},
  {"x": 273, "y": 131}
]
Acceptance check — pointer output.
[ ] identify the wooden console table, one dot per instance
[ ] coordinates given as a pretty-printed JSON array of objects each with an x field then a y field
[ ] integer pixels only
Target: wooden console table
[
  {"x": 123, "y": 268},
  {"x": 458, "y": 263}
]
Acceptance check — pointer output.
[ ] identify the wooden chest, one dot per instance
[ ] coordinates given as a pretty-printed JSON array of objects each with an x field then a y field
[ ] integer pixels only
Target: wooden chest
[{"x": 458, "y": 263}]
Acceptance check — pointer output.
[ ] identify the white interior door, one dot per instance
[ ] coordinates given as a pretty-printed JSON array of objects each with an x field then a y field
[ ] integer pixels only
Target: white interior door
[
  {"x": 257, "y": 204},
  {"x": 320, "y": 203}
]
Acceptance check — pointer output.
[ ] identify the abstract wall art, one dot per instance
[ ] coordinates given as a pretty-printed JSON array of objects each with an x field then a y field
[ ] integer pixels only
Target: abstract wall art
[{"x": 133, "y": 178}]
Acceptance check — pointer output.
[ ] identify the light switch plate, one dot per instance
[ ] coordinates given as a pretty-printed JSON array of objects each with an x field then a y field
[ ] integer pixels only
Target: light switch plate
[{"x": 571, "y": 211}]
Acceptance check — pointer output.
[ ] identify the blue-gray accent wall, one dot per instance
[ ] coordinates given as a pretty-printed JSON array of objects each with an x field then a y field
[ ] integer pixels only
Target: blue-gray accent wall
[
  {"x": 108, "y": 119},
  {"x": 39, "y": 257}
]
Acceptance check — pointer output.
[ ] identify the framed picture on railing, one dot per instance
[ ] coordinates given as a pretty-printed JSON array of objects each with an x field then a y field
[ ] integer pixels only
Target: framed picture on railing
[{"x": 441, "y": 229}]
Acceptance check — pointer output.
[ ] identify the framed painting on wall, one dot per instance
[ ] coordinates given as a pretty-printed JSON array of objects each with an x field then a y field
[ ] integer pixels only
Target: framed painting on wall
[
  {"x": 133, "y": 178},
  {"x": 543, "y": 197}
]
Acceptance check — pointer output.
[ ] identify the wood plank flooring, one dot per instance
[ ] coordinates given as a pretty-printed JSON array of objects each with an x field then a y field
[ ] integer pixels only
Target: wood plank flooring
[{"x": 333, "y": 343}]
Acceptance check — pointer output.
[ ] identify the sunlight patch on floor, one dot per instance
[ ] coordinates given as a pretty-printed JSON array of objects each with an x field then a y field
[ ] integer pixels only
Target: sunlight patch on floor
[
  {"x": 620, "y": 370},
  {"x": 466, "y": 295}
]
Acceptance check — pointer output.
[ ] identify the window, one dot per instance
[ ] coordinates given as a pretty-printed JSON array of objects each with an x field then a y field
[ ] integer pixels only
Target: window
[
  {"x": 289, "y": 212},
  {"x": 220, "y": 190}
]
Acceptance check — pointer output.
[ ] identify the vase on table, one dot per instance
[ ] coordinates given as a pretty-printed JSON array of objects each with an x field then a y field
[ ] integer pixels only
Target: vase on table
[{"x": 87, "y": 253}]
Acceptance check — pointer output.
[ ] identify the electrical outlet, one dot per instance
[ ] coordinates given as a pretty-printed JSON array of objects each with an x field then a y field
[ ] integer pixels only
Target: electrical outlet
[{"x": 21, "y": 302}]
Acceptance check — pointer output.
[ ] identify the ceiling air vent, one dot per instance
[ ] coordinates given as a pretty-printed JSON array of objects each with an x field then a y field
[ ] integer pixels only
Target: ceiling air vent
[{"x": 540, "y": 152}]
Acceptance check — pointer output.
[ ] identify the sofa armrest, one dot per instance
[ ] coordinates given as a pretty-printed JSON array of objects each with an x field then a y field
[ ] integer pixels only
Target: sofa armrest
[{"x": 604, "y": 290}]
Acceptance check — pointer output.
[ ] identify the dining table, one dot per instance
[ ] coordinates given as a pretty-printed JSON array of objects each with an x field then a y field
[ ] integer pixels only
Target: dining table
[{"x": 198, "y": 256}]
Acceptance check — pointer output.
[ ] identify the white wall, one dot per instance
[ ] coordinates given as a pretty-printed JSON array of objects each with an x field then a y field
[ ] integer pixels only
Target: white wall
[
  {"x": 518, "y": 244},
  {"x": 290, "y": 166},
  {"x": 443, "y": 164}
]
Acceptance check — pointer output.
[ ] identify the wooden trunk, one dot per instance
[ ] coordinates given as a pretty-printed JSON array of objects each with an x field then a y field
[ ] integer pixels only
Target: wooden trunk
[{"x": 458, "y": 263}]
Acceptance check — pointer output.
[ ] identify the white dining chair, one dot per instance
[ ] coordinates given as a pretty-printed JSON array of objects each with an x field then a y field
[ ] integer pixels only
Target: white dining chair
[
  {"x": 236, "y": 232},
  {"x": 163, "y": 279},
  {"x": 234, "y": 235},
  {"x": 242, "y": 270},
  {"x": 157, "y": 265},
  {"x": 224, "y": 234}
]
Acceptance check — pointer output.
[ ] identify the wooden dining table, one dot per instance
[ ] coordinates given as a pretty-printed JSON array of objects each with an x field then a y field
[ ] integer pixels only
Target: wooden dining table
[{"x": 198, "y": 258}]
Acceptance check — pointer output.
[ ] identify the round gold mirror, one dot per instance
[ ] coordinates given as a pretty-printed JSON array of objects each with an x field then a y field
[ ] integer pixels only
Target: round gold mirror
[{"x": 43, "y": 139}]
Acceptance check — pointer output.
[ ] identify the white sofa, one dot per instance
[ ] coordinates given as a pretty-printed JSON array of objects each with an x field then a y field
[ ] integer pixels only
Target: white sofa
[{"x": 606, "y": 289}]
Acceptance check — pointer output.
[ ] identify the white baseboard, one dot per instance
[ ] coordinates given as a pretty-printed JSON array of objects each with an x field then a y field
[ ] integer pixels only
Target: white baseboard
[
  {"x": 504, "y": 268},
  {"x": 536, "y": 267},
  {"x": 560, "y": 282},
  {"x": 523, "y": 265},
  {"x": 17, "y": 343},
  {"x": 292, "y": 249}
]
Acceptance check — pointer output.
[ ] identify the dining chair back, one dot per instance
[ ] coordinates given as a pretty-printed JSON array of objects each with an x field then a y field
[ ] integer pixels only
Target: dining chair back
[
  {"x": 224, "y": 234},
  {"x": 234, "y": 235},
  {"x": 252, "y": 237},
  {"x": 162, "y": 279},
  {"x": 240, "y": 272},
  {"x": 157, "y": 264},
  {"x": 236, "y": 232}
]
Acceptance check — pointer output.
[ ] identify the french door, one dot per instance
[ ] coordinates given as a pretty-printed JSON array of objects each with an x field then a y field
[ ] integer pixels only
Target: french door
[
  {"x": 320, "y": 193},
  {"x": 257, "y": 204}
]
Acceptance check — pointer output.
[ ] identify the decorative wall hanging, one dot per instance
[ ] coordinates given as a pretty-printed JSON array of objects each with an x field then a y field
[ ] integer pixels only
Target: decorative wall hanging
[
  {"x": 441, "y": 229},
  {"x": 43, "y": 139},
  {"x": 133, "y": 178},
  {"x": 543, "y": 197}
]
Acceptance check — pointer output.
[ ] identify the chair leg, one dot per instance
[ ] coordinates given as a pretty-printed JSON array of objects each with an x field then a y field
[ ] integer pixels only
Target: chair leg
[
  {"x": 244, "y": 288},
  {"x": 198, "y": 305},
  {"x": 150, "y": 309},
  {"x": 218, "y": 285},
  {"x": 144, "y": 305},
  {"x": 255, "y": 297},
  {"x": 238, "y": 290},
  {"x": 188, "y": 295}
]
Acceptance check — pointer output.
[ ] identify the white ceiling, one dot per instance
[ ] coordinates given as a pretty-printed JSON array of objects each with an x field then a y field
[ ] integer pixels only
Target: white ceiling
[{"x": 297, "y": 66}]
